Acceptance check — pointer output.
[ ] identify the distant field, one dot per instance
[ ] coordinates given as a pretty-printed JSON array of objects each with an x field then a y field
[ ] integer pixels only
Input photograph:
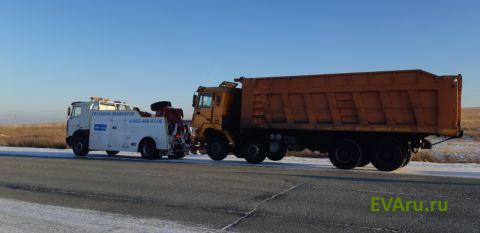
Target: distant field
[
  {"x": 466, "y": 149},
  {"x": 463, "y": 150},
  {"x": 50, "y": 135},
  {"x": 471, "y": 122}
]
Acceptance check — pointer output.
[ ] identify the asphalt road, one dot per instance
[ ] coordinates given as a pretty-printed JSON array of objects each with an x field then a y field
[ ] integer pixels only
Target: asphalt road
[{"x": 242, "y": 198}]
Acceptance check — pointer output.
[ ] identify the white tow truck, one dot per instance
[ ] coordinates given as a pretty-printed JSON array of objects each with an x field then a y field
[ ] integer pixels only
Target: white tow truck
[{"x": 113, "y": 126}]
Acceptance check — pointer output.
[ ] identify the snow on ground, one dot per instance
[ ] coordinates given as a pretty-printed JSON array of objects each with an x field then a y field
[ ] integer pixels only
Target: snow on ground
[
  {"x": 471, "y": 170},
  {"x": 465, "y": 149},
  {"x": 22, "y": 217}
]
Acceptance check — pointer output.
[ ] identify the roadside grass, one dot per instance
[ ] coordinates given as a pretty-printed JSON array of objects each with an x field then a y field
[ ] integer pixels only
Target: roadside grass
[
  {"x": 471, "y": 122},
  {"x": 51, "y": 135},
  {"x": 462, "y": 150}
]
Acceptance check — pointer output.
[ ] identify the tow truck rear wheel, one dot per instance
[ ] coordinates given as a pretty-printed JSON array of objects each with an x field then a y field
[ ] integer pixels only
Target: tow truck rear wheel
[
  {"x": 388, "y": 155},
  {"x": 148, "y": 149},
  {"x": 80, "y": 146},
  {"x": 112, "y": 153},
  {"x": 346, "y": 154},
  {"x": 217, "y": 147}
]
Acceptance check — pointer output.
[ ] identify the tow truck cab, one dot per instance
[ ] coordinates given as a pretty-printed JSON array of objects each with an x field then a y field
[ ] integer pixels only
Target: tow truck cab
[{"x": 79, "y": 115}]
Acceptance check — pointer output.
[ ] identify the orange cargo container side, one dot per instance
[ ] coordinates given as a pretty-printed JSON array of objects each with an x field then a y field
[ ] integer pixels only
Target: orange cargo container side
[{"x": 396, "y": 101}]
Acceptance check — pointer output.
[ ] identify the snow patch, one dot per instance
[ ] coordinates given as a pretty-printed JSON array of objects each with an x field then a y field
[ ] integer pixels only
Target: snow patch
[{"x": 23, "y": 217}]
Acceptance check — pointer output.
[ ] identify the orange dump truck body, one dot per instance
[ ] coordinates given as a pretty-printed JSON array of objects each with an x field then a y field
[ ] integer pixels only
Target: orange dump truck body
[{"x": 409, "y": 101}]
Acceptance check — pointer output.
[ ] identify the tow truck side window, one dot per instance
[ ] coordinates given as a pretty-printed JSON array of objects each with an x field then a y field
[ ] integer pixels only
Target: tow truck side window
[
  {"x": 206, "y": 100},
  {"x": 76, "y": 111}
]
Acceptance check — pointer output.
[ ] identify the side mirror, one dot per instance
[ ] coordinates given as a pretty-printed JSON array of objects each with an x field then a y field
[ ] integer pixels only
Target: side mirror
[{"x": 69, "y": 111}]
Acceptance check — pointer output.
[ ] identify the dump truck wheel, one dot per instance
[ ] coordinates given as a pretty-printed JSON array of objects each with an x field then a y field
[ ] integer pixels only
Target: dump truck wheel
[
  {"x": 148, "y": 149},
  {"x": 407, "y": 154},
  {"x": 346, "y": 154},
  {"x": 408, "y": 158},
  {"x": 80, "y": 146},
  {"x": 112, "y": 153},
  {"x": 255, "y": 150},
  {"x": 388, "y": 155},
  {"x": 276, "y": 156},
  {"x": 217, "y": 147}
]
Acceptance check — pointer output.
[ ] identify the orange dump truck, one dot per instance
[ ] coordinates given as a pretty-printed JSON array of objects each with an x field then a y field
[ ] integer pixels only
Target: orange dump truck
[{"x": 377, "y": 117}]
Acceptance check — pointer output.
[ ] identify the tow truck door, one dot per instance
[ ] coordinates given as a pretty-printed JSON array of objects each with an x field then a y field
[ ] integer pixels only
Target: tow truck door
[{"x": 79, "y": 119}]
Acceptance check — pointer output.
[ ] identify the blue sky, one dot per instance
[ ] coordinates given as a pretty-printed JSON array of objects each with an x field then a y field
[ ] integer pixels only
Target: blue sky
[{"x": 56, "y": 52}]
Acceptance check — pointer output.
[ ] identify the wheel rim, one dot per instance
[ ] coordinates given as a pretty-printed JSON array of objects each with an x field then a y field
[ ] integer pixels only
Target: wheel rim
[
  {"x": 216, "y": 147},
  {"x": 79, "y": 146},
  {"x": 147, "y": 149},
  {"x": 386, "y": 156},
  {"x": 253, "y": 150},
  {"x": 343, "y": 155}
]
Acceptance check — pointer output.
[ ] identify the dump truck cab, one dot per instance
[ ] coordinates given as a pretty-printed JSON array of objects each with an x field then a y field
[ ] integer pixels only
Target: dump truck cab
[{"x": 216, "y": 113}]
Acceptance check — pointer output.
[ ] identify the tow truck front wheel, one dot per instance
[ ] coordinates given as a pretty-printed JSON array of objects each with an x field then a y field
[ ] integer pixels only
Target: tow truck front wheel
[
  {"x": 80, "y": 146},
  {"x": 148, "y": 149}
]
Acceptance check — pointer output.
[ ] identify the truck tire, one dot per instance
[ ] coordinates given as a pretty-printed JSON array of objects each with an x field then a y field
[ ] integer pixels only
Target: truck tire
[
  {"x": 80, "y": 146},
  {"x": 278, "y": 155},
  {"x": 148, "y": 149},
  {"x": 217, "y": 147},
  {"x": 112, "y": 153},
  {"x": 346, "y": 154},
  {"x": 407, "y": 154},
  {"x": 255, "y": 150},
  {"x": 388, "y": 155},
  {"x": 160, "y": 105},
  {"x": 408, "y": 158}
]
